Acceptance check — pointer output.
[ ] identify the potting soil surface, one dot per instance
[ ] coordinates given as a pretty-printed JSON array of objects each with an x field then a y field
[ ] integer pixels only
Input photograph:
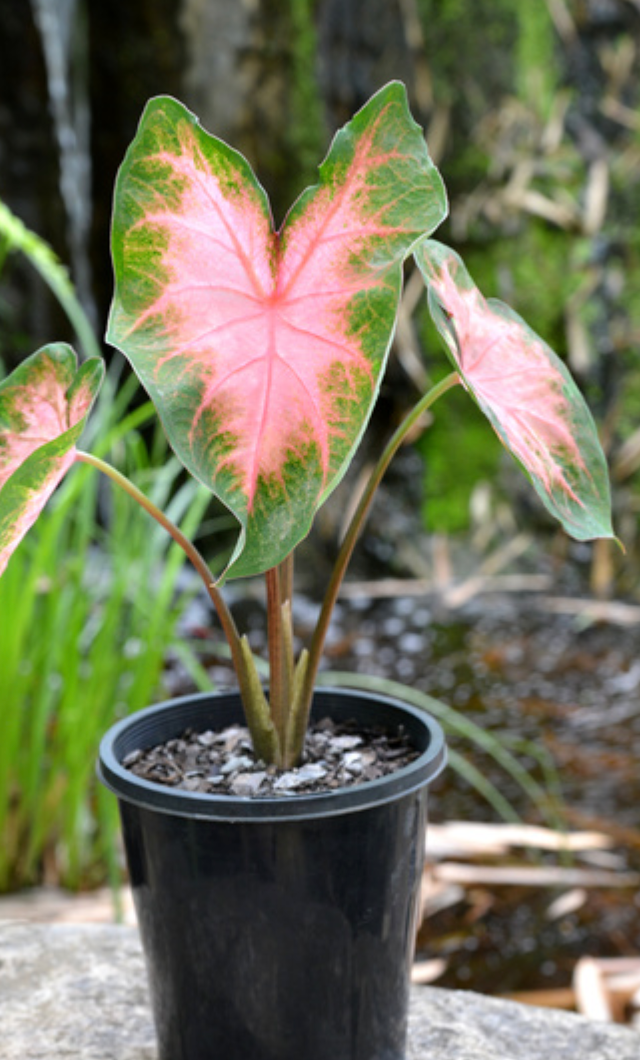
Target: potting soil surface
[{"x": 223, "y": 763}]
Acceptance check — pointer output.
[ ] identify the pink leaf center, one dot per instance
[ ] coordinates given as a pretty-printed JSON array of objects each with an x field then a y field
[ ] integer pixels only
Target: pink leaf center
[{"x": 510, "y": 371}]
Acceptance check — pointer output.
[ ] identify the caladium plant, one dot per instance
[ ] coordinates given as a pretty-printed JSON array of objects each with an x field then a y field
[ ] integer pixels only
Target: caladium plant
[{"x": 263, "y": 352}]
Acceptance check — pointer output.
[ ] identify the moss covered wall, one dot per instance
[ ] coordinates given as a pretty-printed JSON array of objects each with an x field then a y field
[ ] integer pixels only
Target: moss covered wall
[
  {"x": 535, "y": 124},
  {"x": 542, "y": 162}
]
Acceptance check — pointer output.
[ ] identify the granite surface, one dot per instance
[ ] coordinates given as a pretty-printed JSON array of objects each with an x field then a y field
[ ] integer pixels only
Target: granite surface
[{"x": 78, "y": 992}]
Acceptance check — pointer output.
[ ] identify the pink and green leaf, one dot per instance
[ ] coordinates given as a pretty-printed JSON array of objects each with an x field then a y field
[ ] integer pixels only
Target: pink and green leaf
[
  {"x": 262, "y": 350},
  {"x": 525, "y": 391},
  {"x": 44, "y": 404}
]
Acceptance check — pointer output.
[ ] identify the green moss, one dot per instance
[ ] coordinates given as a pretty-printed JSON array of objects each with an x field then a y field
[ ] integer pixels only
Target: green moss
[
  {"x": 308, "y": 133},
  {"x": 501, "y": 44},
  {"x": 470, "y": 53},
  {"x": 627, "y": 235},
  {"x": 628, "y": 418},
  {"x": 536, "y": 79},
  {"x": 499, "y": 66},
  {"x": 460, "y": 449},
  {"x": 469, "y": 46},
  {"x": 537, "y": 274}
]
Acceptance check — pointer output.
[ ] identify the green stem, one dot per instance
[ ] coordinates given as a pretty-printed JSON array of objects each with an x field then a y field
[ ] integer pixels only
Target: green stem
[
  {"x": 286, "y": 597},
  {"x": 286, "y": 578},
  {"x": 277, "y": 682},
  {"x": 317, "y": 643},
  {"x": 225, "y": 616},
  {"x": 280, "y": 637}
]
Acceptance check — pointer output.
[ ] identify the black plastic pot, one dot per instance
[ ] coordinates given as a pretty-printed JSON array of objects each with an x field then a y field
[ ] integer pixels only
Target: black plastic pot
[{"x": 279, "y": 928}]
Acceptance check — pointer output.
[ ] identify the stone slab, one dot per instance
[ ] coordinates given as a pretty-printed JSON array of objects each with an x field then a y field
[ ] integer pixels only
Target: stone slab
[{"x": 78, "y": 992}]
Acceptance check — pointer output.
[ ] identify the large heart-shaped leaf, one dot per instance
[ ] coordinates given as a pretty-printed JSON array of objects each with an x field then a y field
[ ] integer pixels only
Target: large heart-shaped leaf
[
  {"x": 263, "y": 350},
  {"x": 44, "y": 404},
  {"x": 526, "y": 392}
]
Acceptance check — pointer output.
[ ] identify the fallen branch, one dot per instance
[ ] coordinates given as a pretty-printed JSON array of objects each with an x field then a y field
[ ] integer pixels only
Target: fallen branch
[{"x": 532, "y": 876}]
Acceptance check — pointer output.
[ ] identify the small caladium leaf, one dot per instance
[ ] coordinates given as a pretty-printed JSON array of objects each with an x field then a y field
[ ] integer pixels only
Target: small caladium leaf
[
  {"x": 263, "y": 350},
  {"x": 526, "y": 392},
  {"x": 44, "y": 404}
]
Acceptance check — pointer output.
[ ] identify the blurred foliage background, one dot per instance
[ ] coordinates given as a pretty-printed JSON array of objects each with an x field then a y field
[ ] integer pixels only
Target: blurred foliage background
[{"x": 532, "y": 112}]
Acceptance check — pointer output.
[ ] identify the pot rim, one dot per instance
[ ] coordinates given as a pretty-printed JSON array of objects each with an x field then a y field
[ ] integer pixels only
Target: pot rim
[{"x": 137, "y": 730}]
